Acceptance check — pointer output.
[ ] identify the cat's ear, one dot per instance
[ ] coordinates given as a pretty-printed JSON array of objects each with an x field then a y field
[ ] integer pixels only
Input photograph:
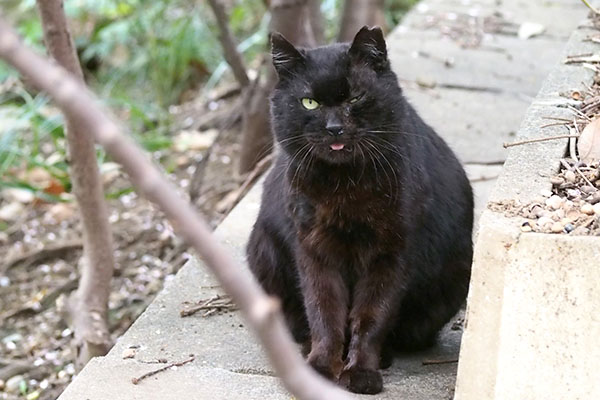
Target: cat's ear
[
  {"x": 286, "y": 58},
  {"x": 368, "y": 47}
]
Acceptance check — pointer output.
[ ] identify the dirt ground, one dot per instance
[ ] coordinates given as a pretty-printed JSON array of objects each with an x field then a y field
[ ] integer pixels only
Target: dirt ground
[{"x": 41, "y": 248}]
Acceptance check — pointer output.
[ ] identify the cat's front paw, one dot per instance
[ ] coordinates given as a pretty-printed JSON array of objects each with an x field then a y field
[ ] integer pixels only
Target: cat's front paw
[
  {"x": 325, "y": 367},
  {"x": 362, "y": 380}
]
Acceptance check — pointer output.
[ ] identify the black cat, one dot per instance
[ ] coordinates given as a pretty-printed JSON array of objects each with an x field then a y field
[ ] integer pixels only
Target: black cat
[{"x": 364, "y": 230}]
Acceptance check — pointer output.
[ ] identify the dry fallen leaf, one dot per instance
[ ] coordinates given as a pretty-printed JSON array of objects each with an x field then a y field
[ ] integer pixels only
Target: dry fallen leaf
[
  {"x": 528, "y": 30},
  {"x": 588, "y": 144},
  {"x": 59, "y": 212}
]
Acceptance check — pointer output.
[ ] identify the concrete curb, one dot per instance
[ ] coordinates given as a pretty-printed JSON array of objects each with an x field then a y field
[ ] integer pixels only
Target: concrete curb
[{"x": 531, "y": 332}]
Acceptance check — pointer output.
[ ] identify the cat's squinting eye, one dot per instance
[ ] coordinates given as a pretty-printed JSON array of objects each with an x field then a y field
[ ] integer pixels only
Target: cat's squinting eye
[
  {"x": 355, "y": 99},
  {"x": 309, "y": 104}
]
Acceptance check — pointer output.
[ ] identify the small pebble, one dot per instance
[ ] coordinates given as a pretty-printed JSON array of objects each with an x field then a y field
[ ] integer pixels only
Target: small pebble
[
  {"x": 526, "y": 227},
  {"x": 1, "y": 384},
  {"x": 597, "y": 208},
  {"x": 546, "y": 193},
  {"x": 128, "y": 353},
  {"x": 537, "y": 211},
  {"x": 570, "y": 176},
  {"x": 554, "y": 202},
  {"x": 557, "y": 227},
  {"x": 569, "y": 228},
  {"x": 33, "y": 395},
  {"x": 557, "y": 181},
  {"x": 12, "y": 384},
  {"x": 581, "y": 231},
  {"x": 573, "y": 193},
  {"x": 587, "y": 209},
  {"x": 544, "y": 221},
  {"x": 560, "y": 214},
  {"x": 587, "y": 189},
  {"x": 573, "y": 215},
  {"x": 595, "y": 198}
]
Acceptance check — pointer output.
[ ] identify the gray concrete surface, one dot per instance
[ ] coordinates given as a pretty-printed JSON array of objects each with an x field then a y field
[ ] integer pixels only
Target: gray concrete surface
[
  {"x": 505, "y": 71},
  {"x": 479, "y": 94},
  {"x": 531, "y": 331}
]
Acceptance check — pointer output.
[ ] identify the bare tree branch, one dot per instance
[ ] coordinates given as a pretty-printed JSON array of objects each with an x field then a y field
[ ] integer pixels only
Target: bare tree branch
[
  {"x": 89, "y": 304},
  {"x": 232, "y": 56},
  {"x": 262, "y": 312}
]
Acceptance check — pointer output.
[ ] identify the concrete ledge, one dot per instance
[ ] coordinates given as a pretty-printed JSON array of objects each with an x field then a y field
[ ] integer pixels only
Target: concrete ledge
[
  {"x": 229, "y": 363},
  {"x": 532, "y": 324}
]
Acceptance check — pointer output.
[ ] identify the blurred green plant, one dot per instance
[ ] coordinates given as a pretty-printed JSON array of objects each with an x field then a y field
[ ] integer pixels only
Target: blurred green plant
[
  {"x": 142, "y": 57},
  {"x": 34, "y": 137}
]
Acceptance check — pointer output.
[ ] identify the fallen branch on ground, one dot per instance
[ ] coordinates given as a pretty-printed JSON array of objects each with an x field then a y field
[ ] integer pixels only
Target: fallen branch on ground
[
  {"x": 135, "y": 381},
  {"x": 55, "y": 250},
  {"x": 14, "y": 367},
  {"x": 215, "y": 304},
  {"x": 261, "y": 311},
  {"x": 46, "y": 302}
]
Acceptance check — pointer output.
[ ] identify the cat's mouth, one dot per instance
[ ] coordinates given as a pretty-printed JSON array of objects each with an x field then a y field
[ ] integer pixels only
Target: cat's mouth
[{"x": 340, "y": 146}]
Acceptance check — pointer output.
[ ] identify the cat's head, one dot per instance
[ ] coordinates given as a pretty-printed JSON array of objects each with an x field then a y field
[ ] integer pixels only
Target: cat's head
[{"x": 337, "y": 102}]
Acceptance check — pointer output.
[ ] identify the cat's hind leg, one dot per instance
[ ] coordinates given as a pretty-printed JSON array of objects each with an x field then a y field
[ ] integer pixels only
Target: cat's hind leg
[{"x": 428, "y": 307}]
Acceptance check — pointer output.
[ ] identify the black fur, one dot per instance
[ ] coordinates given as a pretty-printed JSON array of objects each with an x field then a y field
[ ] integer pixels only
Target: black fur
[{"x": 368, "y": 247}]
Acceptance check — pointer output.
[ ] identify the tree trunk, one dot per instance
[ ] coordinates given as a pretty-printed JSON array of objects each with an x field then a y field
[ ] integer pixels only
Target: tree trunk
[
  {"x": 358, "y": 13},
  {"x": 293, "y": 19},
  {"x": 232, "y": 56},
  {"x": 317, "y": 22},
  {"x": 88, "y": 305}
]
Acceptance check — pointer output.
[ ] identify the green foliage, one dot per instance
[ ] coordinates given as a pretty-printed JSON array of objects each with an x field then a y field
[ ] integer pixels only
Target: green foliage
[
  {"x": 395, "y": 10},
  {"x": 140, "y": 56},
  {"x": 154, "y": 51}
]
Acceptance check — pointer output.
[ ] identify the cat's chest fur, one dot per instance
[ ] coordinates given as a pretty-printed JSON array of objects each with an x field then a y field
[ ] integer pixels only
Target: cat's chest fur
[{"x": 354, "y": 219}]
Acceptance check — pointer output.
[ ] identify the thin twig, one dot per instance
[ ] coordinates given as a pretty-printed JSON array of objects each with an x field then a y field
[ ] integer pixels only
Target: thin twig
[
  {"x": 583, "y": 176},
  {"x": 590, "y": 7},
  {"x": 212, "y": 305},
  {"x": 552, "y": 124},
  {"x": 543, "y": 139},
  {"x": 572, "y": 141},
  {"x": 570, "y": 107},
  {"x": 558, "y": 119},
  {"x": 232, "y": 56},
  {"x": 135, "y": 381}
]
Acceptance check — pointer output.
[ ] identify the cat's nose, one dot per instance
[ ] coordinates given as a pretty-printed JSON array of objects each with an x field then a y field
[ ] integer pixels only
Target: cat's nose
[{"x": 335, "y": 130}]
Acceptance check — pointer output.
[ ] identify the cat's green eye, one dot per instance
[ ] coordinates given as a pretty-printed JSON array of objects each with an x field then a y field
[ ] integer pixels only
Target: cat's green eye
[
  {"x": 309, "y": 104},
  {"x": 355, "y": 99}
]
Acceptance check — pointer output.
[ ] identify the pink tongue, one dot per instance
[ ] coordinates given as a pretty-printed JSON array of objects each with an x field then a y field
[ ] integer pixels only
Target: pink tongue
[{"x": 336, "y": 146}]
